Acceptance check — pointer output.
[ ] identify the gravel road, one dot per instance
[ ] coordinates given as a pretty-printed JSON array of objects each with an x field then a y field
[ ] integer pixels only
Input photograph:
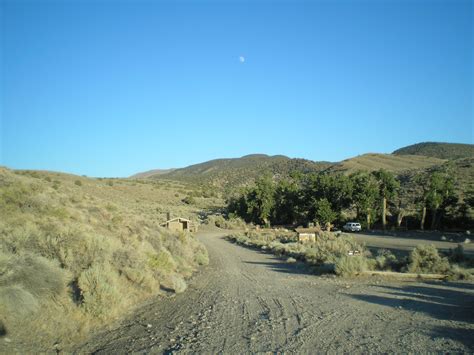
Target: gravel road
[{"x": 248, "y": 301}]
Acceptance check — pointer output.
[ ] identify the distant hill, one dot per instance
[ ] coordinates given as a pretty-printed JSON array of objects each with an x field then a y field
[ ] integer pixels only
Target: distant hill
[
  {"x": 449, "y": 151},
  {"x": 393, "y": 163},
  {"x": 150, "y": 173},
  {"x": 233, "y": 173},
  {"x": 241, "y": 171}
]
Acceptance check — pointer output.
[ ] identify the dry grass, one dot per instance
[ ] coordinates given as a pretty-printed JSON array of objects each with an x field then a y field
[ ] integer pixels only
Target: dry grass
[
  {"x": 395, "y": 163},
  {"x": 78, "y": 252}
]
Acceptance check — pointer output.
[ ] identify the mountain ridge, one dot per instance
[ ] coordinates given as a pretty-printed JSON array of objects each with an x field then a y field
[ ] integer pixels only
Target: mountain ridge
[{"x": 235, "y": 172}]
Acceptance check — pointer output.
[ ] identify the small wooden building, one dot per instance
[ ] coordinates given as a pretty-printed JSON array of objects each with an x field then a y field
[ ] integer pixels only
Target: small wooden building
[
  {"x": 179, "y": 224},
  {"x": 307, "y": 234}
]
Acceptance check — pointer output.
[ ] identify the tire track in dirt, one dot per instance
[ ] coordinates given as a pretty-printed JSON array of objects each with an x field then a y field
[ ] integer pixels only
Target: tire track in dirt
[{"x": 248, "y": 301}]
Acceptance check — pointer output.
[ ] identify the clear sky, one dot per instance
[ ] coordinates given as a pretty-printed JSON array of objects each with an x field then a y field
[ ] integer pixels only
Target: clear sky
[{"x": 111, "y": 88}]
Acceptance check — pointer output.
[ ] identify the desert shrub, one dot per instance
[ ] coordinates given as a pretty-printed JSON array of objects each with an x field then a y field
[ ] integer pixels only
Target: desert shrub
[
  {"x": 26, "y": 280},
  {"x": 458, "y": 273},
  {"x": 201, "y": 257},
  {"x": 386, "y": 260},
  {"x": 328, "y": 248},
  {"x": 350, "y": 265},
  {"x": 109, "y": 252},
  {"x": 78, "y": 182},
  {"x": 425, "y": 258},
  {"x": 277, "y": 248},
  {"x": 189, "y": 200},
  {"x": 162, "y": 261},
  {"x": 99, "y": 290},
  {"x": 178, "y": 284},
  {"x": 130, "y": 264},
  {"x": 229, "y": 223},
  {"x": 457, "y": 254}
]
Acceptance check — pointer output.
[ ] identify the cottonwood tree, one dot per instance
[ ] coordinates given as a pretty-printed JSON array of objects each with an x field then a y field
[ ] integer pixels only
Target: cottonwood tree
[
  {"x": 365, "y": 195},
  {"x": 261, "y": 202},
  {"x": 440, "y": 194},
  {"x": 388, "y": 187},
  {"x": 324, "y": 213},
  {"x": 287, "y": 202}
]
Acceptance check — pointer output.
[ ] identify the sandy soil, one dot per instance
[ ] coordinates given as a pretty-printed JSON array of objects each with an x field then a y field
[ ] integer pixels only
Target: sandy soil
[{"x": 247, "y": 301}]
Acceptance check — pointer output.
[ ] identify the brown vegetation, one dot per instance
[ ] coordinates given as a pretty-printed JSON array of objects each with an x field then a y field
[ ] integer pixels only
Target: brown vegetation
[{"x": 75, "y": 253}]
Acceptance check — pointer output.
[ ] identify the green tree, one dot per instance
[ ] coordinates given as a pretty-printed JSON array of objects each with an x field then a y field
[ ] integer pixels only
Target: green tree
[
  {"x": 388, "y": 188},
  {"x": 365, "y": 195},
  {"x": 324, "y": 213},
  {"x": 440, "y": 194},
  {"x": 261, "y": 201},
  {"x": 287, "y": 202},
  {"x": 336, "y": 189}
]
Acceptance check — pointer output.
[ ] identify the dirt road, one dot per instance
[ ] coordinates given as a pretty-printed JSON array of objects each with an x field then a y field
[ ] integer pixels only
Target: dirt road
[{"x": 247, "y": 301}]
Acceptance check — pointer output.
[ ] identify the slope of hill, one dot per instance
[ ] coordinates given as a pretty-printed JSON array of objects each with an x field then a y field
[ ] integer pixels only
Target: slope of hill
[
  {"x": 449, "y": 151},
  {"x": 76, "y": 252},
  {"x": 149, "y": 173},
  {"x": 393, "y": 163},
  {"x": 241, "y": 171}
]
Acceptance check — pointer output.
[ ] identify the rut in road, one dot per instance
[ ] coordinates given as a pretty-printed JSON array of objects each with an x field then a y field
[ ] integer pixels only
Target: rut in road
[{"x": 248, "y": 301}]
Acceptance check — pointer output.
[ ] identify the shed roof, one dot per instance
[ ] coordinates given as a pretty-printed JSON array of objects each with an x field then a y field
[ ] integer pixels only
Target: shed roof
[
  {"x": 177, "y": 218},
  {"x": 308, "y": 230}
]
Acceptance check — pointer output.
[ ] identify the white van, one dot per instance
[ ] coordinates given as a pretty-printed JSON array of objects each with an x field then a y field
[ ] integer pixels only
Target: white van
[{"x": 352, "y": 227}]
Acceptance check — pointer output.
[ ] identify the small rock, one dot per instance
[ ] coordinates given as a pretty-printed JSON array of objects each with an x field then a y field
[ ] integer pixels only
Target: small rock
[
  {"x": 443, "y": 237},
  {"x": 467, "y": 241},
  {"x": 172, "y": 340},
  {"x": 7, "y": 340},
  {"x": 148, "y": 325}
]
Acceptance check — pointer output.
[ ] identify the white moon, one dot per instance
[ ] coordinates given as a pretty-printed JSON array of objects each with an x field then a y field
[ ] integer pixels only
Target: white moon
[{"x": 242, "y": 59}]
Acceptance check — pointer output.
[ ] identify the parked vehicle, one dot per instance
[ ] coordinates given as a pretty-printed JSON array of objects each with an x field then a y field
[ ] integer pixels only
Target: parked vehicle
[{"x": 352, "y": 227}]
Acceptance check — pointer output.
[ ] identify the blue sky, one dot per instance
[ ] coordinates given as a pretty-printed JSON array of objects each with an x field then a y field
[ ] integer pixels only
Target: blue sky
[{"x": 110, "y": 88}]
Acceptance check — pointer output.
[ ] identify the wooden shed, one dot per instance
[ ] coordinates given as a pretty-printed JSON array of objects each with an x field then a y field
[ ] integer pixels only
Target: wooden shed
[
  {"x": 179, "y": 224},
  {"x": 307, "y": 234}
]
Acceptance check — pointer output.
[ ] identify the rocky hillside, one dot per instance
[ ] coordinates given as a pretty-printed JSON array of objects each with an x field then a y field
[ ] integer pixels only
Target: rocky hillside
[
  {"x": 451, "y": 151},
  {"x": 241, "y": 171}
]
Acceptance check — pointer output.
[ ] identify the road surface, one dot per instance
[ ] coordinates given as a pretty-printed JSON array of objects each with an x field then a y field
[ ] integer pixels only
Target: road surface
[{"x": 248, "y": 301}]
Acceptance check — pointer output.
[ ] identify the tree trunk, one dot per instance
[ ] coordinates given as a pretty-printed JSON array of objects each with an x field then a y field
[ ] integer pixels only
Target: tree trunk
[
  {"x": 423, "y": 217},
  {"x": 368, "y": 219},
  {"x": 433, "y": 222},
  {"x": 399, "y": 218},
  {"x": 384, "y": 213}
]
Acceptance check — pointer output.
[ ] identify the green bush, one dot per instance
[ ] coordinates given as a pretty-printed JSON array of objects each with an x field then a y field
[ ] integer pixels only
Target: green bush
[
  {"x": 189, "y": 200},
  {"x": 99, "y": 290},
  {"x": 425, "y": 259},
  {"x": 78, "y": 182},
  {"x": 386, "y": 261},
  {"x": 350, "y": 265},
  {"x": 178, "y": 284},
  {"x": 162, "y": 261}
]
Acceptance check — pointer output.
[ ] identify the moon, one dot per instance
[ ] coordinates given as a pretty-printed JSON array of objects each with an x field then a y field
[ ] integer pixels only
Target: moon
[{"x": 242, "y": 59}]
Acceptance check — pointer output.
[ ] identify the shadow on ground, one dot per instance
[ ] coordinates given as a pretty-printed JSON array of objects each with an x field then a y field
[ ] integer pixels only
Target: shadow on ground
[
  {"x": 3, "y": 329},
  {"x": 440, "y": 301},
  {"x": 282, "y": 266}
]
